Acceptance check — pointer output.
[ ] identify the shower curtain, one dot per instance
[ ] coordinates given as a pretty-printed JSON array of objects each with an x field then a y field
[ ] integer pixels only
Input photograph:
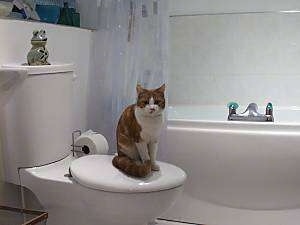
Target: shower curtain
[{"x": 129, "y": 47}]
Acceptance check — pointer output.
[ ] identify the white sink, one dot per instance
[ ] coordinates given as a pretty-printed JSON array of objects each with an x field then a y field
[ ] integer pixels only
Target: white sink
[{"x": 9, "y": 80}]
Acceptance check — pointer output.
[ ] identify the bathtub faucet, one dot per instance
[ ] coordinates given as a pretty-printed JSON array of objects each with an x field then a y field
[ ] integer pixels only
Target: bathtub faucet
[{"x": 251, "y": 113}]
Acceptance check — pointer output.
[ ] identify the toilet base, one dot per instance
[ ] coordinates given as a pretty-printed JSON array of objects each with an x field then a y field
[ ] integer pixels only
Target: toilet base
[{"x": 69, "y": 203}]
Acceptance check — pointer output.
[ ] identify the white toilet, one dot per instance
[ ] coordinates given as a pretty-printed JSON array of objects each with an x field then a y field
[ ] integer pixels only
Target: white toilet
[{"x": 36, "y": 127}]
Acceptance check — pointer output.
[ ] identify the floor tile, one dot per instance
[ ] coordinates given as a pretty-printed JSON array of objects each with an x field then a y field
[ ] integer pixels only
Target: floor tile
[{"x": 163, "y": 222}]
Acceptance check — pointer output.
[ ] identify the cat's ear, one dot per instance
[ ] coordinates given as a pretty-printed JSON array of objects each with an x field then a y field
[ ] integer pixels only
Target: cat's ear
[
  {"x": 162, "y": 88},
  {"x": 139, "y": 89}
]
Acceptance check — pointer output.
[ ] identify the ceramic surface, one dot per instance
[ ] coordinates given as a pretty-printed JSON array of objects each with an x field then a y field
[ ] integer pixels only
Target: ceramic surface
[
  {"x": 70, "y": 203},
  {"x": 97, "y": 171}
]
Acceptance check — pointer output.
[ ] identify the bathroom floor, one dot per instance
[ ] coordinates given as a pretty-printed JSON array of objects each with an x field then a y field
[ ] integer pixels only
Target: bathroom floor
[{"x": 165, "y": 222}]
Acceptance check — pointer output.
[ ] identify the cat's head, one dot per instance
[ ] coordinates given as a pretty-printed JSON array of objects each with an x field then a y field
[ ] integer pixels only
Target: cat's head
[{"x": 150, "y": 102}]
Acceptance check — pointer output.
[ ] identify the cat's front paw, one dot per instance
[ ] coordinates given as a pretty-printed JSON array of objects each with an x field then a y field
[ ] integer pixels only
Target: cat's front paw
[{"x": 155, "y": 167}]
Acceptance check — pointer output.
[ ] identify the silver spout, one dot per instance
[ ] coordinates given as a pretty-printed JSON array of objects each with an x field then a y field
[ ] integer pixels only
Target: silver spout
[{"x": 252, "y": 110}]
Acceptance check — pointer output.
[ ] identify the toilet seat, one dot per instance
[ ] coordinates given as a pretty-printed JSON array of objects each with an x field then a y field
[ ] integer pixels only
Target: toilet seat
[{"x": 97, "y": 172}]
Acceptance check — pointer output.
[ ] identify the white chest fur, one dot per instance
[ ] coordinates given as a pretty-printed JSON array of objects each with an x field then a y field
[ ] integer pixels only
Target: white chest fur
[{"x": 151, "y": 126}]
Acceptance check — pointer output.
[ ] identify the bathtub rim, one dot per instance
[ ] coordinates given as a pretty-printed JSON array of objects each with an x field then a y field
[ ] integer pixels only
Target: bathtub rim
[{"x": 235, "y": 126}]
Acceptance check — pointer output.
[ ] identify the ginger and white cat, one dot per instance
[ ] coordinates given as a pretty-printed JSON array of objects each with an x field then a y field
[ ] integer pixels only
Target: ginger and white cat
[{"x": 138, "y": 131}]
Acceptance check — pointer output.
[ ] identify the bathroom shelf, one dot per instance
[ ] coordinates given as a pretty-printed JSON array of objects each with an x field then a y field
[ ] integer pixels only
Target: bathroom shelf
[{"x": 19, "y": 206}]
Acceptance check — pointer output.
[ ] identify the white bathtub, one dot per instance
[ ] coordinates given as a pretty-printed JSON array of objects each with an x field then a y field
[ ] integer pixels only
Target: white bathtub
[{"x": 237, "y": 171}]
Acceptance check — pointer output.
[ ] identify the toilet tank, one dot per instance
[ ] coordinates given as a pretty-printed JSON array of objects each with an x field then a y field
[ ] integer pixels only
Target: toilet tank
[{"x": 36, "y": 122}]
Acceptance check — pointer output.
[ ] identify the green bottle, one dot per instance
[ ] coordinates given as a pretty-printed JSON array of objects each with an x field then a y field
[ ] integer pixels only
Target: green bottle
[{"x": 66, "y": 16}]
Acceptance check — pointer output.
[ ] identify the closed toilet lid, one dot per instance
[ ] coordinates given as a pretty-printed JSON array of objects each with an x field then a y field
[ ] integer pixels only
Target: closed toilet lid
[{"x": 97, "y": 172}]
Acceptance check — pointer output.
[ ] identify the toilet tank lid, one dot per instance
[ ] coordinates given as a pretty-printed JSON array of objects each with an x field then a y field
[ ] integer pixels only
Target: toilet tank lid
[
  {"x": 97, "y": 172},
  {"x": 44, "y": 69}
]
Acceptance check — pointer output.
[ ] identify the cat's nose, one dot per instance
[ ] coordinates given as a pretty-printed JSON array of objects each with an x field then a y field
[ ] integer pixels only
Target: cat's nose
[{"x": 152, "y": 110}]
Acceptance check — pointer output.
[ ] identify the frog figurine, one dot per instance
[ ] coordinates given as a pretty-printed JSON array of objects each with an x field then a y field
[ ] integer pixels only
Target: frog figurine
[{"x": 38, "y": 54}]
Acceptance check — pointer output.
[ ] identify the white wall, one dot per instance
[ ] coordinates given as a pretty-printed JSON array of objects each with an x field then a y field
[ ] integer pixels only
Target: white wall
[
  {"x": 65, "y": 44},
  {"x": 245, "y": 58},
  {"x": 217, "y": 6}
]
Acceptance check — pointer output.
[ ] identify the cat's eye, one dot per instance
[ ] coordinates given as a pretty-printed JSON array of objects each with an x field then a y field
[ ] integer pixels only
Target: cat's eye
[
  {"x": 144, "y": 102},
  {"x": 156, "y": 102}
]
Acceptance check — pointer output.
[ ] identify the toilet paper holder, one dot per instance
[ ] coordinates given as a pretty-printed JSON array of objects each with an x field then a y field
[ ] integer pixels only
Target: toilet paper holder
[{"x": 84, "y": 149}]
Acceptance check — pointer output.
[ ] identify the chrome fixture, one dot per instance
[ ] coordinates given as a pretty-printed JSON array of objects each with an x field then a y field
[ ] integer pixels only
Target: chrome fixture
[{"x": 251, "y": 113}]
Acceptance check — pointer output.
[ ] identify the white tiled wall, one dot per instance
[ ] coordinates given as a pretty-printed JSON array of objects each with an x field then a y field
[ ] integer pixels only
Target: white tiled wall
[
  {"x": 217, "y": 6},
  {"x": 245, "y": 58}
]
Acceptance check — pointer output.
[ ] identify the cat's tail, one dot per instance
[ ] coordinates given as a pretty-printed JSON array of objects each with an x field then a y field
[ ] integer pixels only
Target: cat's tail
[{"x": 130, "y": 167}]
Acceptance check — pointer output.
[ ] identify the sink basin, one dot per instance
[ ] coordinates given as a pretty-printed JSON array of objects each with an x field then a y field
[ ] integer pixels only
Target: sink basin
[{"x": 9, "y": 80}]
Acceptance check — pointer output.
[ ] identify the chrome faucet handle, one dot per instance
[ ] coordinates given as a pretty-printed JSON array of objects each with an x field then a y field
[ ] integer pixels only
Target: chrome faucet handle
[
  {"x": 269, "y": 112},
  {"x": 232, "y": 106},
  {"x": 269, "y": 109}
]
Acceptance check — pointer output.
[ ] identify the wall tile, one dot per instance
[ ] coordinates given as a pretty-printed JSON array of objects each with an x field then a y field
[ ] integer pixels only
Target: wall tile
[
  {"x": 241, "y": 57},
  {"x": 217, "y": 6}
]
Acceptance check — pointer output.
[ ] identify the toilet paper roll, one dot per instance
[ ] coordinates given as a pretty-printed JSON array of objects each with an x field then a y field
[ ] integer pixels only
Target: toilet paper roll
[{"x": 91, "y": 143}]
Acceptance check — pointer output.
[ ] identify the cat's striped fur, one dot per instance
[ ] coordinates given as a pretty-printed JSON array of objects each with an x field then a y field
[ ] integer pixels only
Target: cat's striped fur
[{"x": 138, "y": 131}]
